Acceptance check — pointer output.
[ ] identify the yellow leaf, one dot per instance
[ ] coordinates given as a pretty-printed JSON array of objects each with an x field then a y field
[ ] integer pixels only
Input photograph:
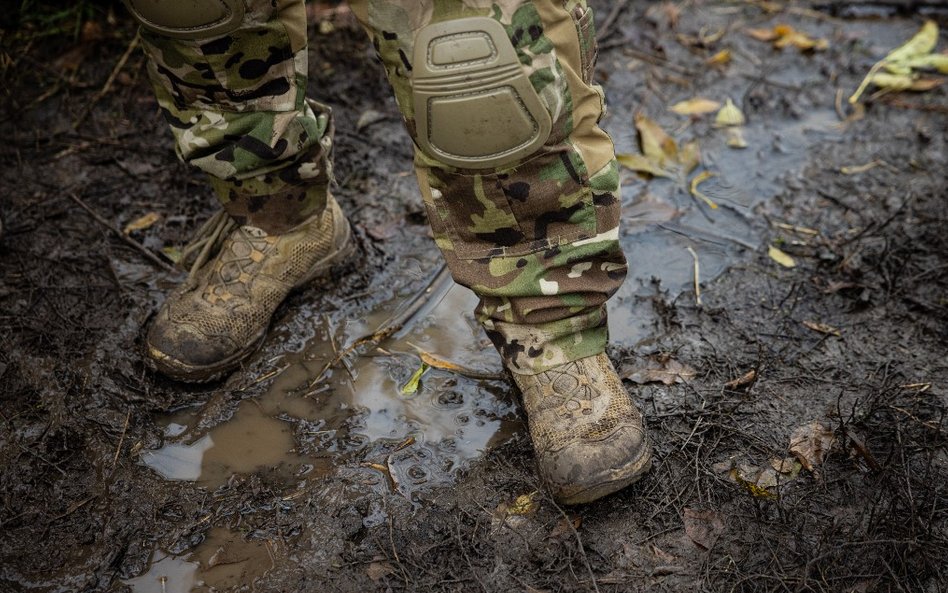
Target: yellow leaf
[
  {"x": 172, "y": 253},
  {"x": 142, "y": 223},
  {"x": 655, "y": 143},
  {"x": 690, "y": 157},
  {"x": 900, "y": 82},
  {"x": 922, "y": 43},
  {"x": 786, "y": 36},
  {"x": 524, "y": 505},
  {"x": 730, "y": 115},
  {"x": 930, "y": 62},
  {"x": 721, "y": 58},
  {"x": 781, "y": 258},
  {"x": 639, "y": 163},
  {"x": 735, "y": 138},
  {"x": 698, "y": 180},
  {"x": 696, "y": 106},
  {"x": 762, "y": 34},
  {"x": 411, "y": 387}
]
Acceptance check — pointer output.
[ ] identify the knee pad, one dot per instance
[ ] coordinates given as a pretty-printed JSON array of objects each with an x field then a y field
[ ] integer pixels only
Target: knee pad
[
  {"x": 188, "y": 19},
  {"x": 475, "y": 107}
]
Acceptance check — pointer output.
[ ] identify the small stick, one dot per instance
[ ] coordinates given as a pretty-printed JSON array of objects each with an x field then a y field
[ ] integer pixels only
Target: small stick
[
  {"x": 606, "y": 28},
  {"x": 697, "y": 276},
  {"x": 118, "y": 449},
  {"x": 149, "y": 255}
]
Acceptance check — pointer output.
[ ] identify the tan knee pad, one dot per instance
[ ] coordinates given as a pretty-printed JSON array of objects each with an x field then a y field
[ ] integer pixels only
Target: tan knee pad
[
  {"x": 475, "y": 107},
  {"x": 188, "y": 19}
]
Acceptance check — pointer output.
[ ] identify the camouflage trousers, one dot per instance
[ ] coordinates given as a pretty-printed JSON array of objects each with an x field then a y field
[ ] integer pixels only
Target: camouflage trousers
[{"x": 535, "y": 239}]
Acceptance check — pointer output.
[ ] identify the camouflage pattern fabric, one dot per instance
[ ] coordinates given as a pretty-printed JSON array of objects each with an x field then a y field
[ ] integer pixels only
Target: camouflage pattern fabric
[{"x": 537, "y": 240}]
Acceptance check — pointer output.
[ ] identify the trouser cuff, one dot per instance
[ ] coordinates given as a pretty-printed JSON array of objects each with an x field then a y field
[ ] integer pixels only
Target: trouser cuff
[{"x": 534, "y": 349}]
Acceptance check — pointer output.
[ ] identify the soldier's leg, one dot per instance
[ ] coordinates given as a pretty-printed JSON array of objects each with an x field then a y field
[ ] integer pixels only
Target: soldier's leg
[
  {"x": 230, "y": 78},
  {"x": 522, "y": 191}
]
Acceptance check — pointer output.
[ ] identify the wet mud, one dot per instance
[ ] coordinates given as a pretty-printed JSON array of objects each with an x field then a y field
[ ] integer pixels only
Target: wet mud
[{"x": 307, "y": 470}]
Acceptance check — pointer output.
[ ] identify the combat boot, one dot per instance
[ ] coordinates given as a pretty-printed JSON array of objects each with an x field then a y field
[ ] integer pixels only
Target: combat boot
[
  {"x": 221, "y": 314},
  {"x": 587, "y": 433}
]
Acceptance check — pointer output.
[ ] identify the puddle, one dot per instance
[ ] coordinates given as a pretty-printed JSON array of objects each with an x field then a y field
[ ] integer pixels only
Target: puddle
[
  {"x": 358, "y": 418},
  {"x": 223, "y": 561},
  {"x": 661, "y": 220}
]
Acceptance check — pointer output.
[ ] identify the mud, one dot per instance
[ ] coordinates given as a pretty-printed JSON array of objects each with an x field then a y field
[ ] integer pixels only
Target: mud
[{"x": 295, "y": 475}]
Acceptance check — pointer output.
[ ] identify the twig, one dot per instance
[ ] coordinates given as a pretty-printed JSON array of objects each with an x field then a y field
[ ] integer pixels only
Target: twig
[
  {"x": 108, "y": 83},
  {"x": 582, "y": 548},
  {"x": 697, "y": 276},
  {"x": 390, "y": 326},
  {"x": 147, "y": 253},
  {"x": 118, "y": 449},
  {"x": 606, "y": 28}
]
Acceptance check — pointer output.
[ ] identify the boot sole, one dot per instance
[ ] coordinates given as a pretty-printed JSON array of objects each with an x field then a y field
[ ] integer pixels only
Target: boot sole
[
  {"x": 181, "y": 371},
  {"x": 611, "y": 481}
]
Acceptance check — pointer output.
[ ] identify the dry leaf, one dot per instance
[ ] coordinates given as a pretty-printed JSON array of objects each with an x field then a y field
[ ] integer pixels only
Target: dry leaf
[
  {"x": 142, "y": 223},
  {"x": 781, "y": 258},
  {"x": 823, "y": 328},
  {"x": 379, "y": 570},
  {"x": 661, "y": 369},
  {"x": 722, "y": 58},
  {"x": 744, "y": 380},
  {"x": 788, "y": 466},
  {"x": 695, "y": 106},
  {"x": 411, "y": 387},
  {"x": 786, "y": 36},
  {"x": 735, "y": 138},
  {"x": 703, "y": 527},
  {"x": 565, "y": 527},
  {"x": 698, "y": 180},
  {"x": 811, "y": 443},
  {"x": 661, "y": 156},
  {"x": 730, "y": 115},
  {"x": 902, "y": 62}
]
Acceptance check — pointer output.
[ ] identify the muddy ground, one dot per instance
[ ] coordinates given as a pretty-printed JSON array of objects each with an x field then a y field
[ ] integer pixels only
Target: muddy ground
[{"x": 282, "y": 479}]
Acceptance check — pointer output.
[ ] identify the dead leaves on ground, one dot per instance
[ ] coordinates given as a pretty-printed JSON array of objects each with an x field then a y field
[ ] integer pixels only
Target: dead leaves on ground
[
  {"x": 901, "y": 69},
  {"x": 811, "y": 443},
  {"x": 783, "y": 36},
  {"x": 660, "y": 369},
  {"x": 661, "y": 155},
  {"x": 703, "y": 527}
]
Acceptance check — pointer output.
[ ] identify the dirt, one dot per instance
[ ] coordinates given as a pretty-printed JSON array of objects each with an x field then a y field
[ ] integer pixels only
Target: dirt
[{"x": 295, "y": 475}]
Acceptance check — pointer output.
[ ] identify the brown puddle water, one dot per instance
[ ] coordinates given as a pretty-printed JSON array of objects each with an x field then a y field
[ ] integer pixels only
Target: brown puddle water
[
  {"x": 358, "y": 417},
  {"x": 224, "y": 560}
]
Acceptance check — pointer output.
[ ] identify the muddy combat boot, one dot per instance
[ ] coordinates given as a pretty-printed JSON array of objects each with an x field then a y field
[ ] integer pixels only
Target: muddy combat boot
[
  {"x": 587, "y": 433},
  {"x": 221, "y": 314}
]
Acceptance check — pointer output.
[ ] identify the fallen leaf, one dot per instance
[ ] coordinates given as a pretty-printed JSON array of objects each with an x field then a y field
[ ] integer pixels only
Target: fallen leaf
[
  {"x": 703, "y": 527},
  {"x": 905, "y": 82},
  {"x": 695, "y": 106},
  {"x": 730, "y": 115},
  {"x": 744, "y": 380},
  {"x": 901, "y": 63},
  {"x": 379, "y": 570},
  {"x": 661, "y": 369},
  {"x": 735, "y": 138},
  {"x": 811, "y": 443},
  {"x": 524, "y": 505},
  {"x": 172, "y": 253},
  {"x": 788, "y": 466},
  {"x": 411, "y": 387},
  {"x": 661, "y": 156},
  {"x": 754, "y": 480},
  {"x": 786, "y": 36},
  {"x": 141, "y": 223},
  {"x": 823, "y": 328},
  {"x": 781, "y": 258},
  {"x": 564, "y": 528},
  {"x": 369, "y": 117},
  {"x": 722, "y": 58},
  {"x": 698, "y": 180}
]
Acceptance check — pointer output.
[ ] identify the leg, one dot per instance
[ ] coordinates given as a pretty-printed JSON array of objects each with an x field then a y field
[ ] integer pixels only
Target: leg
[
  {"x": 230, "y": 77},
  {"x": 522, "y": 191}
]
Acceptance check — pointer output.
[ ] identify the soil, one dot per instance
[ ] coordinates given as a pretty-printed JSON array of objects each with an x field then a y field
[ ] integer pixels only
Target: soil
[{"x": 283, "y": 477}]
